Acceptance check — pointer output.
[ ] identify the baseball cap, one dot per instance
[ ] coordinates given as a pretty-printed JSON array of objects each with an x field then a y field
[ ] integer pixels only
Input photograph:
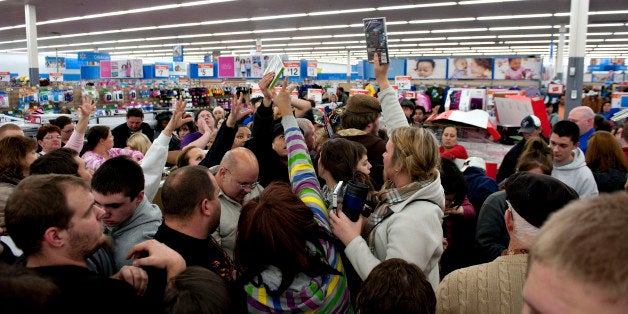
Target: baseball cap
[
  {"x": 473, "y": 162},
  {"x": 529, "y": 123}
]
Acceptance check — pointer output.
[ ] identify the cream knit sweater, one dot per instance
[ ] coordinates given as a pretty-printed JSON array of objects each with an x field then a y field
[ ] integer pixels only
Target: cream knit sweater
[{"x": 494, "y": 287}]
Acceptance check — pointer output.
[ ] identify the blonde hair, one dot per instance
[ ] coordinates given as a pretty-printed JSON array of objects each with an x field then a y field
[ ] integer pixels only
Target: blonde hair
[
  {"x": 416, "y": 150},
  {"x": 139, "y": 142},
  {"x": 585, "y": 240}
]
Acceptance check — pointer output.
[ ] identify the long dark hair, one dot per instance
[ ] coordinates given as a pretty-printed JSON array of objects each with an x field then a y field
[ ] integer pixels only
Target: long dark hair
[
  {"x": 340, "y": 157},
  {"x": 94, "y": 135},
  {"x": 275, "y": 231},
  {"x": 13, "y": 150}
]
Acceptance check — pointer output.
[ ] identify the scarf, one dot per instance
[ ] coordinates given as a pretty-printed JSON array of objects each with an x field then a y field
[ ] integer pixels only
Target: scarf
[{"x": 386, "y": 199}]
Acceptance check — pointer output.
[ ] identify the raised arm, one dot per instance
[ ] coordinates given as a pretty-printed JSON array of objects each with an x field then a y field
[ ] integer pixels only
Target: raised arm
[
  {"x": 156, "y": 156},
  {"x": 391, "y": 109},
  {"x": 302, "y": 176},
  {"x": 263, "y": 86},
  {"x": 86, "y": 109},
  {"x": 202, "y": 141},
  {"x": 226, "y": 134}
]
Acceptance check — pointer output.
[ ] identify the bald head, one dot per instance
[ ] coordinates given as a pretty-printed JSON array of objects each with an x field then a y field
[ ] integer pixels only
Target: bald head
[
  {"x": 238, "y": 173},
  {"x": 582, "y": 116}
]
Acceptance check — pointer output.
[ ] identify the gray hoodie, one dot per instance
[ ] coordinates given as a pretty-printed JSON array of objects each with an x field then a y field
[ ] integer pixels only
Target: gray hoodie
[{"x": 577, "y": 175}]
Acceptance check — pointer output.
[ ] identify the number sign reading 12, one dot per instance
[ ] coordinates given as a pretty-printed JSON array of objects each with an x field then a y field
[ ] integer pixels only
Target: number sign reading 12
[{"x": 293, "y": 68}]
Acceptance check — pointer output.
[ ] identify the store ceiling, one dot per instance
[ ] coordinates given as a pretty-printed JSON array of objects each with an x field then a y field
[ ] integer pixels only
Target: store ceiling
[{"x": 322, "y": 30}]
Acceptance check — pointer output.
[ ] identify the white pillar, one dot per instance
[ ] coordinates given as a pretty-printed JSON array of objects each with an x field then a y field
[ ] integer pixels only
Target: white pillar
[
  {"x": 578, "y": 21},
  {"x": 31, "y": 43},
  {"x": 559, "y": 55},
  {"x": 348, "y": 66}
]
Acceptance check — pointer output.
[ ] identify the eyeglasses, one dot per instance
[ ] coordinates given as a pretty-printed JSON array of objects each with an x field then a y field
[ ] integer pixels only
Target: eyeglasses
[
  {"x": 51, "y": 137},
  {"x": 244, "y": 185}
]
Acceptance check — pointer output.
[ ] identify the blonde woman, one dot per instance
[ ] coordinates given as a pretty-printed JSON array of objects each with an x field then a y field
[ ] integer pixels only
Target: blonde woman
[{"x": 138, "y": 142}]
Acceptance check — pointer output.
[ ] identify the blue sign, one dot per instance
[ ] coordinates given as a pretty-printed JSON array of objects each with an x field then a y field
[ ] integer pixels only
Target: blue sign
[
  {"x": 177, "y": 54},
  {"x": 92, "y": 58}
]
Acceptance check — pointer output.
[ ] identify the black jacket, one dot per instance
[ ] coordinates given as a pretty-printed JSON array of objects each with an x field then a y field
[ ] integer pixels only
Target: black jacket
[{"x": 121, "y": 134}]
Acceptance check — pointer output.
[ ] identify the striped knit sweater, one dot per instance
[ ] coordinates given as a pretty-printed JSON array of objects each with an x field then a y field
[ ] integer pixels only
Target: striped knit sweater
[{"x": 326, "y": 293}]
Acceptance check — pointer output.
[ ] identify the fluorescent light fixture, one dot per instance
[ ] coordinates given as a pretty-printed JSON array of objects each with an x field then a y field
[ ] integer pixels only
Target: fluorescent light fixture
[
  {"x": 323, "y": 27},
  {"x": 608, "y": 12},
  {"x": 470, "y": 37},
  {"x": 508, "y": 17},
  {"x": 278, "y": 17},
  {"x": 349, "y": 35},
  {"x": 617, "y": 39},
  {"x": 216, "y": 22},
  {"x": 397, "y": 23},
  {"x": 405, "y": 33},
  {"x": 341, "y": 11},
  {"x": 562, "y": 14},
  {"x": 484, "y": 1},
  {"x": 132, "y": 11},
  {"x": 460, "y": 30},
  {"x": 458, "y": 19},
  {"x": 437, "y": 44},
  {"x": 414, "y": 6},
  {"x": 527, "y": 42},
  {"x": 310, "y": 37},
  {"x": 524, "y": 36},
  {"x": 514, "y": 28},
  {"x": 591, "y": 25},
  {"x": 424, "y": 39}
]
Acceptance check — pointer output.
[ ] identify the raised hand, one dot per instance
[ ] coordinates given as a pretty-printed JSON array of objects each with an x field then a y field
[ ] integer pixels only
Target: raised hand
[
  {"x": 282, "y": 100},
  {"x": 88, "y": 106},
  {"x": 236, "y": 110},
  {"x": 263, "y": 85}
]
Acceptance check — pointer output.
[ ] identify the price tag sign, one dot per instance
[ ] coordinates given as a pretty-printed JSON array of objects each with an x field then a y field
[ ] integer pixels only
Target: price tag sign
[
  {"x": 184, "y": 80},
  {"x": 56, "y": 77},
  {"x": 403, "y": 82},
  {"x": 5, "y": 76},
  {"x": 293, "y": 68},
  {"x": 312, "y": 68},
  {"x": 356, "y": 91},
  {"x": 206, "y": 69},
  {"x": 294, "y": 94},
  {"x": 161, "y": 70},
  {"x": 316, "y": 94},
  {"x": 409, "y": 95}
]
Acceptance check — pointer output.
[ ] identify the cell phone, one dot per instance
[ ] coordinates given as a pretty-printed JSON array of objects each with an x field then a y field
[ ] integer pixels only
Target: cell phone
[{"x": 376, "y": 39}]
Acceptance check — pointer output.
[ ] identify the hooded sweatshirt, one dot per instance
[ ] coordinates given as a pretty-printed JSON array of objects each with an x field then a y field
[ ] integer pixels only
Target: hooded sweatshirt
[{"x": 577, "y": 175}]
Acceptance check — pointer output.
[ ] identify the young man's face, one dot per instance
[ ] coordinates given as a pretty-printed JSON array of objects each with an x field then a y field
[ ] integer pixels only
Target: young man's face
[
  {"x": 561, "y": 147},
  {"x": 118, "y": 207}
]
